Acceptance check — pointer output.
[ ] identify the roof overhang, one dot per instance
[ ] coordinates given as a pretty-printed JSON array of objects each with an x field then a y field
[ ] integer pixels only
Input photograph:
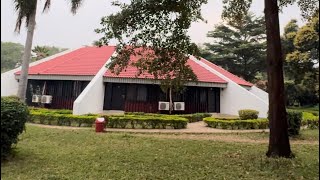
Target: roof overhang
[
  {"x": 246, "y": 87},
  {"x": 153, "y": 81},
  {"x": 59, "y": 77}
]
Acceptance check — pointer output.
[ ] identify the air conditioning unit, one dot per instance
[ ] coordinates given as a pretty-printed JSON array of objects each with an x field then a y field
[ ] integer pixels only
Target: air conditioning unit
[
  {"x": 36, "y": 98},
  {"x": 46, "y": 99},
  {"x": 163, "y": 106},
  {"x": 178, "y": 106}
]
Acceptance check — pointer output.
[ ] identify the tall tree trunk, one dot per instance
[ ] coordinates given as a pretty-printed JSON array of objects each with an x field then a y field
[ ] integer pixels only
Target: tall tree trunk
[
  {"x": 279, "y": 145},
  {"x": 23, "y": 81}
]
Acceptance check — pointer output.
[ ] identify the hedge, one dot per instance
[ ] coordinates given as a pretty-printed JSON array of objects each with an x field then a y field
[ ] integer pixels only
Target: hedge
[
  {"x": 44, "y": 116},
  {"x": 310, "y": 120},
  {"x": 191, "y": 117},
  {"x": 14, "y": 115},
  {"x": 236, "y": 123},
  {"x": 61, "y": 119},
  {"x": 51, "y": 111},
  {"x": 195, "y": 117},
  {"x": 147, "y": 122}
]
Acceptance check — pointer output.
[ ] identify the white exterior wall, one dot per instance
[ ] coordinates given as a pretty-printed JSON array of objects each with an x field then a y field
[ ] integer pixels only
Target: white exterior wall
[
  {"x": 260, "y": 93},
  {"x": 9, "y": 84},
  {"x": 92, "y": 97},
  {"x": 235, "y": 97}
]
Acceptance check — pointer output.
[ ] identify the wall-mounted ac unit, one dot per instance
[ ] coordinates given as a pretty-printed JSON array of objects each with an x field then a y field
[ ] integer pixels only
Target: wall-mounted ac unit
[
  {"x": 163, "y": 106},
  {"x": 36, "y": 98},
  {"x": 178, "y": 106},
  {"x": 46, "y": 99}
]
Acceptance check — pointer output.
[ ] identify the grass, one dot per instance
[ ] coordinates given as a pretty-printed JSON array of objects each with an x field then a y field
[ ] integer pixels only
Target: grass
[
  {"x": 305, "y": 134},
  {"x": 45, "y": 153}
]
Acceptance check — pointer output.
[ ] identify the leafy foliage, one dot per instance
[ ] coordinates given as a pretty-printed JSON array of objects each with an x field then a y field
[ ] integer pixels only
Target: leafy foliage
[
  {"x": 45, "y": 51},
  {"x": 144, "y": 122},
  {"x": 294, "y": 120},
  {"x": 61, "y": 117},
  {"x": 235, "y": 10},
  {"x": 11, "y": 54},
  {"x": 191, "y": 117},
  {"x": 26, "y": 8},
  {"x": 239, "y": 47},
  {"x": 156, "y": 32},
  {"x": 245, "y": 114},
  {"x": 236, "y": 123},
  {"x": 14, "y": 115},
  {"x": 310, "y": 120},
  {"x": 301, "y": 55}
]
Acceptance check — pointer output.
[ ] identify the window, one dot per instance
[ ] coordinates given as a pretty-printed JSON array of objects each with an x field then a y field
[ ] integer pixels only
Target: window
[
  {"x": 142, "y": 93},
  {"x": 203, "y": 96},
  {"x": 131, "y": 92}
]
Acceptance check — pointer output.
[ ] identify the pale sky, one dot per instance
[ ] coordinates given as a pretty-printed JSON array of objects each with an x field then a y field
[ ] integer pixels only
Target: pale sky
[{"x": 58, "y": 27}]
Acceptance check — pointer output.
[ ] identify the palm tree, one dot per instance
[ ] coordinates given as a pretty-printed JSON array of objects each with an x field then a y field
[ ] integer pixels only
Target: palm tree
[
  {"x": 27, "y": 12},
  {"x": 41, "y": 52}
]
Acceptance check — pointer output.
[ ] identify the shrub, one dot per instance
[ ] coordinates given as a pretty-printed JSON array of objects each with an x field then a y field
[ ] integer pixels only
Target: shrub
[
  {"x": 245, "y": 114},
  {"x": 51, "y": 111},
  {"x": 14, "y": 115},
  {"x": 191, "y": 117},
  {"x": 147, "y": 121},
  {"x": 294, "y": 122},
  {"x": 115, "y": 121},
  {"x": 236, "y": 123},
  {"x": 195, "y": 117},
  {"x": 310, "y": 120},
  {"x": 134, "y": 113},
  {"x": 62, "y": 119}
]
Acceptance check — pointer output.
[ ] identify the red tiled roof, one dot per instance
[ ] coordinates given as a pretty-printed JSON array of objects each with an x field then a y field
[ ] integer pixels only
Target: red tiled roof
[
  {"x": 83, "y": 61},
  {"x": 203, "y": 74},
  {"x": 226, "y": 73},
  {"x": 89, "y": 60}
]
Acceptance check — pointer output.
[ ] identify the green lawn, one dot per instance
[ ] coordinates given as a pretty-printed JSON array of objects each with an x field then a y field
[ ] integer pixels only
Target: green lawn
[
  {"x": 305, "y": 134},
  {"x": 45, "y": 153}
]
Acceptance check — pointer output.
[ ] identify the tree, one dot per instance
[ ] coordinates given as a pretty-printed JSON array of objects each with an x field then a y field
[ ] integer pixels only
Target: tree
[
  {"x": 131, "y": 22},
  {"x": 11, "y": 54},
  {"x": 41, "y": 52},
  {"x": 156, "y": 32},
  {"x": 235, "y": 10},
  {"x": 301, "y": 56},
  {"x": 45, "y": 51},
  {"x": 27, "y": 12},
  {"x": 239, "y": 48}
]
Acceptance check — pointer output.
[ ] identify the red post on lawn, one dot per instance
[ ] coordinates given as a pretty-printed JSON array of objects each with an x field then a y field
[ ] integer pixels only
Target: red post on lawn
[{"x": 100, "y": 124}]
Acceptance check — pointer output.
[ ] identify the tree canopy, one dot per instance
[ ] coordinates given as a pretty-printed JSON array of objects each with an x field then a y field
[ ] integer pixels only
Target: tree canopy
[
  {"x": 301, "y": 62},
  {"x": 155, "y": 31},
  {"x": 45, "y": 51},
  {"x": 11, "y": 54},
  {"x": 240, "y": 48}
]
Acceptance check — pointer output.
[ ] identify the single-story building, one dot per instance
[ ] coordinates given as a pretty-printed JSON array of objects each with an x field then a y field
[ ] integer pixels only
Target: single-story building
[{"x": 79, "y": 79}]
